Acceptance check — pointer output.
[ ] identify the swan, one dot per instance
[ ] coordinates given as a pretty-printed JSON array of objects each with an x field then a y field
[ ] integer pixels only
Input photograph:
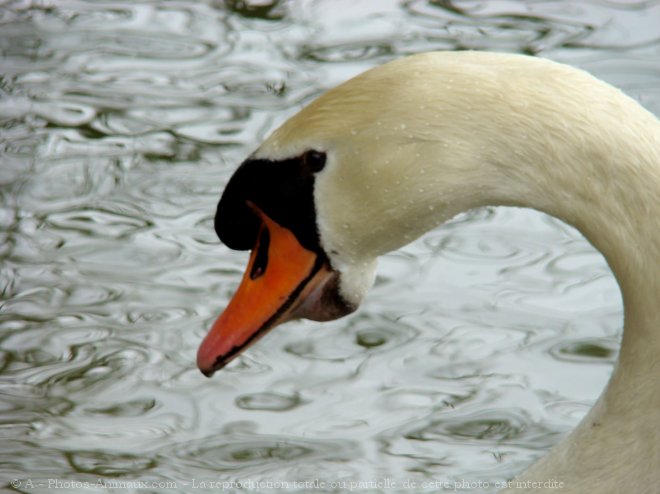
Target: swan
[{"x": 394, "y": 152}]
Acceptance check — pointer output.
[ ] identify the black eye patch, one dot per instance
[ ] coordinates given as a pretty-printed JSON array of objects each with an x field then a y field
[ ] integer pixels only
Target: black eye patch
[{"x": 283, "y": 190}]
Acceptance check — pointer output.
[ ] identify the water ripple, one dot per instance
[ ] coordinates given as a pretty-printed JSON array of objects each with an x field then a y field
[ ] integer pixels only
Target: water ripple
[
  {"x": 108, "y": 464},
  {"x": 120, "y": 124},
  {"x": 249, "y": 456},
  {"x": 123, "y": 222},
  {"x": 376, "y": 333},
  {"x": 134, "y": 408},
  {"x": 586, "y": 351},
  {"x": 275, "y": 402}
]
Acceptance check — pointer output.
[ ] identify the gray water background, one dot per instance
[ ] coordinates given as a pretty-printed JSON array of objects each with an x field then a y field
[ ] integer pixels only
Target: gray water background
[{"x": 480, "y": 346}]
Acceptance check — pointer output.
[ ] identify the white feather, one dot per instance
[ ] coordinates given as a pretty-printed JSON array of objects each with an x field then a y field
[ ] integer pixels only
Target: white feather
[{"x": 416, "y": 141}]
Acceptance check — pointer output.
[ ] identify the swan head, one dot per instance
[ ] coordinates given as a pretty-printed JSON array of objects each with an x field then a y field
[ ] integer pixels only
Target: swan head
[
  {"x": 337, "y": 185},
  {"x": 271, "y": 207}
]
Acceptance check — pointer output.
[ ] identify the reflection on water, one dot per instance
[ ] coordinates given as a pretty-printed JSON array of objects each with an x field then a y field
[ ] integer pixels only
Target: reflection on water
[{"x": 481, "y": 344}]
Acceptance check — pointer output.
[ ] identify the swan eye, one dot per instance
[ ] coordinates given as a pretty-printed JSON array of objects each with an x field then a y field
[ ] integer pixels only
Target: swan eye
[{"x": 315, "y": 160}]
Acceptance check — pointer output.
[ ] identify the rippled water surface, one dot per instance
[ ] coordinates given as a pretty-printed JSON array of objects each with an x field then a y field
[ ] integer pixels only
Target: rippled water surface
[{"x": 120, "y": 122}]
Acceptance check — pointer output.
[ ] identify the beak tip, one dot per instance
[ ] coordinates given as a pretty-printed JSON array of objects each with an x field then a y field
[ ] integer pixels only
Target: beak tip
[
  {"x": 207, "y": 365},
  {"x": 207, "y": 372}
]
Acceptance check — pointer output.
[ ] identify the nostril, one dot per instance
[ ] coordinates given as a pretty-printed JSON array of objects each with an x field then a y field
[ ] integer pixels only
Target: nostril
[{"x": 261, "y": 259}]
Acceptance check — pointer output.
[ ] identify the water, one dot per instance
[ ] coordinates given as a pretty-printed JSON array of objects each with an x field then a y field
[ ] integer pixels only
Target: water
[{"x": 480, "y": 346}]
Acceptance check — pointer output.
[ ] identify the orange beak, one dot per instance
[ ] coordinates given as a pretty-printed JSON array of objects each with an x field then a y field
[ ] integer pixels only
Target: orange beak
[{"x": 281, "y": 279}]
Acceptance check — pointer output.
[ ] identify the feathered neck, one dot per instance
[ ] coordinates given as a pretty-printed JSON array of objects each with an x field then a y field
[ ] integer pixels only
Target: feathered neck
[{"x": 416, "y": 141}]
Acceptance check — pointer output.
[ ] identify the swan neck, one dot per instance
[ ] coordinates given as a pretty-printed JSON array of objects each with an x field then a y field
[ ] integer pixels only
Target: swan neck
[
  {"x": 440, "y": 134},
  {"x": 604, "y": 179}
]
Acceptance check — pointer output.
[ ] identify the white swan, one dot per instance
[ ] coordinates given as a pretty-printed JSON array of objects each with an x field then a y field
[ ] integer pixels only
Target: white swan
[{"x": 381, "y": 159}]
